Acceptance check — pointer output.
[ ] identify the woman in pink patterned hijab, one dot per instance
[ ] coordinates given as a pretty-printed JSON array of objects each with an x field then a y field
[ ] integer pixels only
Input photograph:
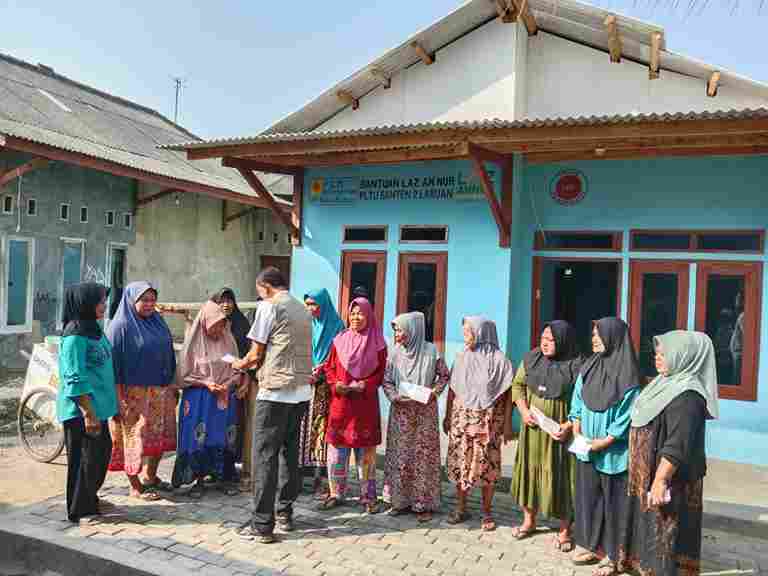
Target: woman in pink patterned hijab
[{"x": 354, "y": 371}]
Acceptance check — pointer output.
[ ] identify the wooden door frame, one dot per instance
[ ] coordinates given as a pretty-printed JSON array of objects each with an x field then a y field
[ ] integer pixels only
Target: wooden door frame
[
  {"x": 440, "y": 259},
  {"x": 348, "y": 257},
  {"x": 538, "y": 262},
  {"x": 638, "y": 267},
  {"x": 753, "y": 282}
]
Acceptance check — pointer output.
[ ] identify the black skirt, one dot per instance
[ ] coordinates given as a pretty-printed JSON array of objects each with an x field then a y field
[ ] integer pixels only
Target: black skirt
[
  {"x": 663, "y": 541},
  {"x": 600, "y": 510},
  {"x": 87, "y": 462}
]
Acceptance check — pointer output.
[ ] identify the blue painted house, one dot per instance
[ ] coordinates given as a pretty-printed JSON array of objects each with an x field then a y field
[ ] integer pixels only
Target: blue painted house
[{"x": 563, "y": 180}]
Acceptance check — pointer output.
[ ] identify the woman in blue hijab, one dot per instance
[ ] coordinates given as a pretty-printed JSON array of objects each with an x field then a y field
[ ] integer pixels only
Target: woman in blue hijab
[
  {"x": 326, "y": 324},
  {"x": 145, "y": 368}
]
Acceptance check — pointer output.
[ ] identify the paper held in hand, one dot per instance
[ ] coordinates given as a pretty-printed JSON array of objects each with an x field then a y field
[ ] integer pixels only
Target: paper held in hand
[
  {"x": 228, "y": 358},
  {"x": 415, "y": 392},
  {"x": 579, "y": 445},
  {"x": 544, "y": 422}
]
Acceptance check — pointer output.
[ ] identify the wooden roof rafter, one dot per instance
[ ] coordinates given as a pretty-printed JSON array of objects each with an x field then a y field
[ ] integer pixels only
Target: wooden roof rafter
[
  {"x": 426, "y": 58},
  {"x": 713, "y": 83},
  {"x": 614, "y": 39},
  {"x": 19, "y": 171},
  {"x": 654, "y": 62}
]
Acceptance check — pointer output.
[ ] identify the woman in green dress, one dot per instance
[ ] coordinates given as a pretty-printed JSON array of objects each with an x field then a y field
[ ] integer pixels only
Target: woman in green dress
[{"x": 543, "y": 478}]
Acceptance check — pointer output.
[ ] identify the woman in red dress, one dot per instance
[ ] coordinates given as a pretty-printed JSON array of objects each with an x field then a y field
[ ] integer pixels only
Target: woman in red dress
[{"x": 354, "y": 371}]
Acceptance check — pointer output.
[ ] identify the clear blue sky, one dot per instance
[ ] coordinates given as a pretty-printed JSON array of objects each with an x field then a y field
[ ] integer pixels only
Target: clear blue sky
[{"x": 248, "y": 63}]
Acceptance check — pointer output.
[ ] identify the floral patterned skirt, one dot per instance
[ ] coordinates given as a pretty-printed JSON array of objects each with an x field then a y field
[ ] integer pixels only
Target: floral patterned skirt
[
  {"x": 475, "y": 459},
  {"x": 412, "y": 465},
  {"x": 147, "y": 427}
]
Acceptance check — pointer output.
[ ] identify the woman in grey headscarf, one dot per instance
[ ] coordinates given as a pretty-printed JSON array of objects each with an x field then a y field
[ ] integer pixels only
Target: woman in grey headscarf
[
  {"x": 667, "y": 461},
  {"x": 412, "y": 468},
  {"x": 474, "y": 420}
]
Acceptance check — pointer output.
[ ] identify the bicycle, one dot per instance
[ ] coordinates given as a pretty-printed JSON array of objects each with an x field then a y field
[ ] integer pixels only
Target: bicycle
[{"x": 40, "y": 433}]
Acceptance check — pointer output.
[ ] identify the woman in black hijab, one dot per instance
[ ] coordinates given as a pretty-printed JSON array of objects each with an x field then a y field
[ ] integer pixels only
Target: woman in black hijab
[
  {"x": 86, "y": 398},
  {"x": 239, "y": 324},
  {"x": 542, "y": 482},
  {"x": 238, "y": 419},
  {"x": 601, "y": 411}
]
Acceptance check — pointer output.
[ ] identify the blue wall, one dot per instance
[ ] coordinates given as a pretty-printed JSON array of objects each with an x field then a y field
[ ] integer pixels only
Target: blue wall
[
  {"x": 709, "y": 193},
  {"x": 478, "y": 270},
  {"x": 670, "y": 193}
]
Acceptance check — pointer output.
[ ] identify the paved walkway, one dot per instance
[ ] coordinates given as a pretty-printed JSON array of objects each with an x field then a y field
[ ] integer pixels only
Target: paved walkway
[{"x": 179, "y": 534}]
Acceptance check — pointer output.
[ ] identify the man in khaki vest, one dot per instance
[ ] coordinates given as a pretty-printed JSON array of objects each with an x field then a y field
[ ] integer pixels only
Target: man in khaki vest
[{"x": 282, "y": 353}]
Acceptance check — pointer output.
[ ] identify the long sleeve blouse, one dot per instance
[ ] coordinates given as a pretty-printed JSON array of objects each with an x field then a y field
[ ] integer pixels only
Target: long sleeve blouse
[
  {"x": 614, "y": 422},
  {"x": 354, "y": 420}
]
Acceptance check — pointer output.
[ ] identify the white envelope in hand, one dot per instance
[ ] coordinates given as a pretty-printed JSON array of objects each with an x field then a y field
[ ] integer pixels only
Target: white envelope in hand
[
  {"x": 228, "y": 358},
  {"x": 421, "y": 394}
]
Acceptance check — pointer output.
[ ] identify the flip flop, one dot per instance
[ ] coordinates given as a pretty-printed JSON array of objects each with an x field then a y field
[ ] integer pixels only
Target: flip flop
[
  {"x": 606, "y": 567},
  {"x": 397, "y": 511},
  {"x": 457, "y": 517},
  {"x": 158, "y": 485},
  {"x": 329, "y": 504},
  {"x": 520, "y": 533},
  {"x": 566, "y": 546},
  {"x": 147, "y": 495},
  {"x": 585, "y": 559},
  {"x": 424, "y": 517},
  {"x": 488, "y": 524}
]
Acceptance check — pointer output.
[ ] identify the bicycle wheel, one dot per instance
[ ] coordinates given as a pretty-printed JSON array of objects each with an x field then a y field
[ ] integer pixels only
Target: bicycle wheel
[{"x": 41, "y": 435}]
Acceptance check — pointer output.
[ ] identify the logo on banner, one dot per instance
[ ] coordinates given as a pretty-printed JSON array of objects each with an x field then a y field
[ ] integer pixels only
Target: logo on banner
[{"x": 568, "y": 187}]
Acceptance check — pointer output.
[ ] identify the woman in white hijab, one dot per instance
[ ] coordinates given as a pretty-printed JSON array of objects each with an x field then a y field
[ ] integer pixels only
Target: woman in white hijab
[{"x": 412, "y": 466}]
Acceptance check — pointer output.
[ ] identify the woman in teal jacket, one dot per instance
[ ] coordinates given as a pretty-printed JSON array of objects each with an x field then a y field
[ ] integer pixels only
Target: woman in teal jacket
[{"x": 86, "y": 397}]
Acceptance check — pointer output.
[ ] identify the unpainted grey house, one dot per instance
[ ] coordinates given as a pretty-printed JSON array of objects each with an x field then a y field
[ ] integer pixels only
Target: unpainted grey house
[{"x": 87, "y": 194}]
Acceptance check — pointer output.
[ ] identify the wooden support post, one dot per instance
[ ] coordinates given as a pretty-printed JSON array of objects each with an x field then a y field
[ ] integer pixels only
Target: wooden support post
[
  {"x": 297, "y": 211},
  {"x": 614, "y": 40},
  {"x": 348, "y": 99},
  {"x": 654, "y": 62},
  {"x": 425, "y": 56},
  {"x": 19, "y": 171},
  {"x": 524, "y": 13},
  {"x": 386, "y": 81},
  {"x": 476, "y": 156},
  {"x": 713, "y": 83},
  {"x": 264, "y": 194},
  {"x": 223, "y": 215}
]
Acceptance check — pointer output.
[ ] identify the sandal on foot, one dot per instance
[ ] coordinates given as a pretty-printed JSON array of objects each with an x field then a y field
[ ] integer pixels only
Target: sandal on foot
[
  {"x": 423, "y": 517},
  {"x": 397, "y": 511},
  {"x": 607, "y": 567},
  {"x": 585, "y": 559},
  {"x": 329, "y": 504},
  {"x": 158, "y": 485},
  {"x": 520, "y": 533},
  {"x": 147, "y": 496},
  {"x": 488, "y": 524},
  {"x": 457, "y": 517},
  {"x": 566, "y": 546},
  {"x": 372, "y": 508}
]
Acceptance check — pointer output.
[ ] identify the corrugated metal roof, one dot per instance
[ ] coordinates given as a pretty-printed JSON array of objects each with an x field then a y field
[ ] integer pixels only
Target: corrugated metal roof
[
  {"x": 472, "y": 126},
  {"x": 569, "y": 19},
  {"x": 41, "y": 106}
]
